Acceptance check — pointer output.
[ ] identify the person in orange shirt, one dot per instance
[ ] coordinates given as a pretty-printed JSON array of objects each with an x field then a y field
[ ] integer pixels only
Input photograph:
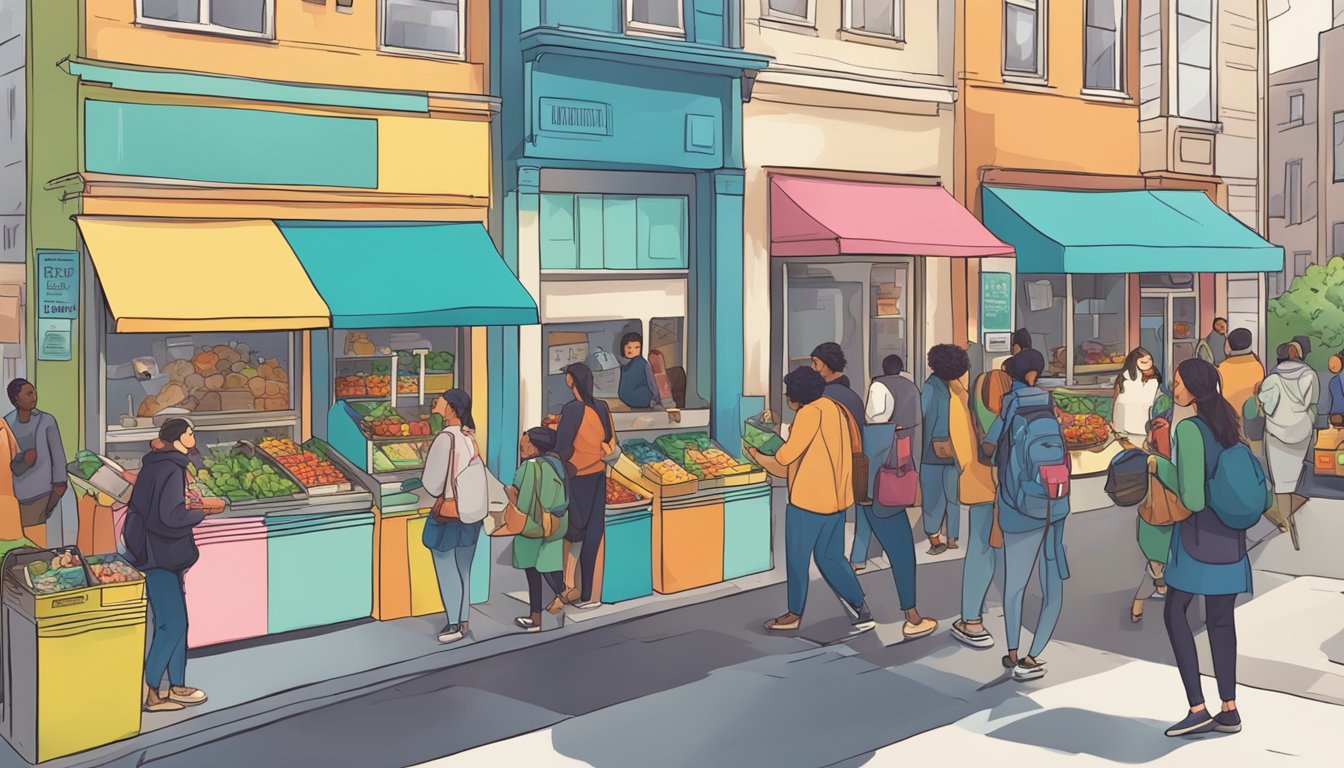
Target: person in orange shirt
[
  {"x": 585, "y": 428},
  {"x": 11, "y": 523},
  {"x": 1241, "y": 374}
]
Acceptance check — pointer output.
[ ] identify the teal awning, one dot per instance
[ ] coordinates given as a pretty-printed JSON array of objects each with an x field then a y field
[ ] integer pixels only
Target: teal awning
[
  {"x": 404, "y": 275},
  {"x": 1109, "y": 232}
]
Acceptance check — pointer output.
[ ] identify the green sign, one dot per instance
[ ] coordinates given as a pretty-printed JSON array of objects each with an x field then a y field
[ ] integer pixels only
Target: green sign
[
  {"x": 996, "y": 301},
  {"x": 54, "y": 339}
]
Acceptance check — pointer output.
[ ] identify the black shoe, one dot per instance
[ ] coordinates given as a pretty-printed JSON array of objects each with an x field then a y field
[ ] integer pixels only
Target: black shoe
[
  {"x": 861, "y": 618},
  {"x": 1194, "y": 723},
  {"x": 1227, "y": 722}
]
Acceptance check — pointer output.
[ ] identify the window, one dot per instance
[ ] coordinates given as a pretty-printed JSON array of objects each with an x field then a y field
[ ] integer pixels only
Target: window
[
  {"x": 618, "y": 232},
  {"x": 1338, "y": 238},
  {"x": 598, "y": 346},
  {"x": 660, "y": 17},
  {"x": 249, "y": 18},
  {"x": 789, "y": 10},
  {"x": 1040, "y": 309},
  {"x": 876, "y": 17},
  {"x": 1024, "y": 37},
  {"x": 1292, "y": 192},
  {"x": 1296, "y": 108},
  {"x": 1103, "y": 69},
  {"x": 432, "y": 27},
  {"x": 1194, "y": 59},
  {"x": 1339, "y": 146},
  {"x": 1301, "y": 260},
  {"x": 1099, "y": 326}
]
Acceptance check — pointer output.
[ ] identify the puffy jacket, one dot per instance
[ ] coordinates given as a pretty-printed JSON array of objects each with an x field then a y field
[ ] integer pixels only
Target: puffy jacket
[{"x": 158, "y": 532}]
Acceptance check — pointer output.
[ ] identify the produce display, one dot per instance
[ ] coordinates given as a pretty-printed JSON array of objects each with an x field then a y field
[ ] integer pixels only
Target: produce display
[
  {"x": 1084, "y": 430},
  {"x": 384, "y": 421},
  {"x": 63, "y": 572},
  {"x": 88, "y": 463},
  {"x": 642, "y": 452},
  {"x": 670, "y": 472},
  {"x": 762, "y": 433},
  {"x": 110, "y": 569},
  {"x": 1095, "y": 353},
  {"x": 363, "y": 385},
  {"x": 233, "y": 475},
  {"x": 408, "y": 385},
  {"x": 310, "y": 468},
  {"x": 619, "y": 494},
  {"x": 1082, "y": 403},
  {"x": 393, "y": 457},
  {"x": 221, "y": 378},
  {"x": 714, "y": 463},
  {"x": 675, "y": 446},
  {"x": 439, "y": 362}
]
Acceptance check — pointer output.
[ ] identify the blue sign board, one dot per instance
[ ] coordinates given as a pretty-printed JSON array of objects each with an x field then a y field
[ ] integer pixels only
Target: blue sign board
[{"x": 57, "y": 285}]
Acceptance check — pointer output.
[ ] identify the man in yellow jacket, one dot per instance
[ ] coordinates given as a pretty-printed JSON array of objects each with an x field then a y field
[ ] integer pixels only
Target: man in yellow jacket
[
  {"x": 818, "y": 463},
  {"x": 1241, "y": 373}
]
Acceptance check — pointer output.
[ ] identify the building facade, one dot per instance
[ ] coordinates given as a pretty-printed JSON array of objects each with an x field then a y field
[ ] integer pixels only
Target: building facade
[
  {"x": 1294, "y": 189},
  {"x": 13, "y": 187},
  {"x": 1330, "y": 138}
]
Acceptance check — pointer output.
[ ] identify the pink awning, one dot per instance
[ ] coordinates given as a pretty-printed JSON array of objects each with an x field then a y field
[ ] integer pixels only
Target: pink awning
[{"x": 827, "y": 217}]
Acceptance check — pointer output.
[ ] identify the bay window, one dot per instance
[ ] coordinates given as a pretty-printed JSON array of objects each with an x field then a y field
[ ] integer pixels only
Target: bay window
[{"x": 1194, "y": 59}]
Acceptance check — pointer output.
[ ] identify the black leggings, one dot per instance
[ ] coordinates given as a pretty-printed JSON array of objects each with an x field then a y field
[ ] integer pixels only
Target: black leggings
[
  {"x": 534, "y": 577},
  {"x": 1222, "y": 627},
  {"x": 588, "y": 509}
]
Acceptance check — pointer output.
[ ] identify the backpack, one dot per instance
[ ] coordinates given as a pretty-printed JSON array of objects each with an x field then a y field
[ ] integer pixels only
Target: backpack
[
  {"x": 1127, "y": 478},
  {"x": 1034, "y": 470},
  {"x": 551, "y": 518},
  {"x": 1236, "y": 489}
]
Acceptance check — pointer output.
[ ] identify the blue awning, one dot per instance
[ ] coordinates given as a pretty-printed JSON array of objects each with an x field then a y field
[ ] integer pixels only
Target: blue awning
[
  {"x": 405, "y": 275},
  {"x": 1110, "y": 232}
]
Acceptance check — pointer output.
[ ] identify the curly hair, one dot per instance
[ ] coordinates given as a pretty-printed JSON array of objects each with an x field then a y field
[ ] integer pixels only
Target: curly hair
[
  {"x": 804, "y": 385},
  {"x": 948, "y": 361}
]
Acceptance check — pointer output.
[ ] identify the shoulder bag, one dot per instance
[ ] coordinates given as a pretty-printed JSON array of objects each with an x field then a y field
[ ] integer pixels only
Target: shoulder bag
[
  {"x": 860, "y": 459},
  {"x": 445, "y": 509},
  {"x": 897, "y": 478}
]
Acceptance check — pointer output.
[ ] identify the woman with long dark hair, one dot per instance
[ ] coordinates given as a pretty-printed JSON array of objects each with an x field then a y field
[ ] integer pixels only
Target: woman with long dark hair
[
  {"x": 1136, "y": 389},
  {"x": 1207, "y": 557},
  {"x": 585, "y": 427}
]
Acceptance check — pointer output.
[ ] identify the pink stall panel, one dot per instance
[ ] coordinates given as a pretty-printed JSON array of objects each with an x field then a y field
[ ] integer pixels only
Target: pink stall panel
[{"x": 226, "y": 589}]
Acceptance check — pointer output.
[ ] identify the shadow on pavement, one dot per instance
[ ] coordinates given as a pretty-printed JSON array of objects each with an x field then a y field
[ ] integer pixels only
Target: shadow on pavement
[{"x": 1080, "y": 732}]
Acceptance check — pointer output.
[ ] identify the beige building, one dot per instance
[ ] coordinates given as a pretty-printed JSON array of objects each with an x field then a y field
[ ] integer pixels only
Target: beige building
[
  {"x": 856, "y": 110},
  {"x": 1294, "y": 191},
  {"x": 1203, "y": 89}
]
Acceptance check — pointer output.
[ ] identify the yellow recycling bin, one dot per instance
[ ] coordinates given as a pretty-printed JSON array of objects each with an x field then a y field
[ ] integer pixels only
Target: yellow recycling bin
[{"x": 73, "y": 652}]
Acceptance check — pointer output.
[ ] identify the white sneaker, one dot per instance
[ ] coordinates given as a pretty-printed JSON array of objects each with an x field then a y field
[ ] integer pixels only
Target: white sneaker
[{"x": 451, "y": 634}]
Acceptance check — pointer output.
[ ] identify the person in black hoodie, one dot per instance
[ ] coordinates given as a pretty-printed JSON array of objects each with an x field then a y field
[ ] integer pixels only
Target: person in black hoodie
[{"x": 159, "y": 541}]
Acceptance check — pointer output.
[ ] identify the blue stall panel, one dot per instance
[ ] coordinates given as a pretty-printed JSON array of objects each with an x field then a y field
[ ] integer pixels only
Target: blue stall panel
[
  {"x": 627, "y": 571},
  {"x": 746, "y": 537},
  {"x": 319, "y": 569}
]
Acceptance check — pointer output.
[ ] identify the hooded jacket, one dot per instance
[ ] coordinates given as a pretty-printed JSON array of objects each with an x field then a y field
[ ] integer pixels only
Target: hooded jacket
[
  {"x": 1289, "y": 398},
  {"x": 159, "y": 527}
]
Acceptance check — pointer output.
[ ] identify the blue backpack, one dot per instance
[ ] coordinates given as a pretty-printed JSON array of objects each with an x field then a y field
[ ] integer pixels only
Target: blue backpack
[
  {"x": 1034, "y": 473},
  {"x": 1237, "y": 490}
]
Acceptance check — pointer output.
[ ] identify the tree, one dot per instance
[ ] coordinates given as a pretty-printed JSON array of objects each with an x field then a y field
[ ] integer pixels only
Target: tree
[{"x": 1313, "y": 306}]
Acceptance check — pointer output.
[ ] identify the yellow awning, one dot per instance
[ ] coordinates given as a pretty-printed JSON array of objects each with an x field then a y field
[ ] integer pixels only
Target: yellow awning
[{"x": 200, "y": 275}]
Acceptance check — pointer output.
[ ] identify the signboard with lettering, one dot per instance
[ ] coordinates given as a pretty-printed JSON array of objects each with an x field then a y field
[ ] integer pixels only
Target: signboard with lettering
[
  {"x": 590, "y": 118},
  {"x": 57, "y": 285},
  {"x": 996, "y": 301}
]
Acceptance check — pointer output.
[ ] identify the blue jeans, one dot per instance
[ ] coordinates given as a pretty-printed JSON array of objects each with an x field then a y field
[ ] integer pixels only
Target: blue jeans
[
  {"x": 893, "y": 533},
  {"x": 863, "y": 536},
  {"x": 876, "y": 445},
  {"x": 168, "y": 648},
  {"x": 453, "y": 569},
  {"x": 808, "y": 536},
  {"x": 938, "y": 484},
  {"x": 983, "y": 564},
  {"x": 1021, "y": 553}
]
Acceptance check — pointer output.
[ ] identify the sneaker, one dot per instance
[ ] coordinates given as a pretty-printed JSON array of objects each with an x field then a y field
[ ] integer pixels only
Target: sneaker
[
  {"x": 1194, "y": 722},
  {"x": 1008, "y": 664},
  {"x": 451, "y": 634},
  {"x": 785, "y": 623},
  {"x": 981, "y": 639},
  {"x": 526, "y": 624},
  {"x": 937, "y": 549},
  {"x": 922, "y": 629},
  {"x": 588, "y": 605},
  {"x": 1028, "y": 670},
  {"x": 162, "y": 705},
  {"x": 1227, "y": 722},
  {"x": 189, "y": 697},
  {"x": 861, "y": 618}
]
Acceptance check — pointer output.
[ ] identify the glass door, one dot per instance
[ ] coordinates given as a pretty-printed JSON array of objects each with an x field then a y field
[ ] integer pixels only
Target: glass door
[
  {"x": 1169, "y": 328},
  {"x": 1153, "y": 329},
  {"x": 825, "y": 303},
  {"x": 1185, "y": 329}
]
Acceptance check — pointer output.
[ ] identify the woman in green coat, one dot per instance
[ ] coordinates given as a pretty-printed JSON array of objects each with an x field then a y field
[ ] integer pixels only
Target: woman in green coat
[{"x": 538, "y": 489}]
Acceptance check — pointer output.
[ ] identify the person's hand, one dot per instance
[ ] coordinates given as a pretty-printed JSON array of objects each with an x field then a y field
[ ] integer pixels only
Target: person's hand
[
  {"x": 30, "y": 456},
  {"x": 754, "y": 454},
  {"x": 512, "y": 492},
  {"x": 213, "y": 506},
  {"x": 57, "y": 491}
]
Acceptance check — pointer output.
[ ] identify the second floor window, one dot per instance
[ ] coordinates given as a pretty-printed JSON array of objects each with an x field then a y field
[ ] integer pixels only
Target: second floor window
[
  {"x": 657, "y": 16},
  {"x": 1103, "y": 68},
  {"x": 1296, "y": 107},
  {"x": 1194, "y": 59},
  {"x": 1339, "y": 146},
  {"x": 253, "y": 18},
  {"x": 433, "y": 27},
  {"x": 789, "y": 9},
  {"x": 875, "y": 17},
  {"x": 1024, "y": 37}
]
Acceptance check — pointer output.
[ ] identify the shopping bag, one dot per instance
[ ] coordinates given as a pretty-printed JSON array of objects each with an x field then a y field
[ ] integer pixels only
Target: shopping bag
[
  {"x": 509, "y": 521},
  {"x": 1162, "y": 506},
  {"x": 897, "y": 478}
]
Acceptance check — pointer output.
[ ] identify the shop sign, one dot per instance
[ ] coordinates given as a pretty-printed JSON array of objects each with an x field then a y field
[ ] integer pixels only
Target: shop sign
[
  {"x": 996, "y": 301},
  {"x": 590, "y": 118},
  {"x": 54, "y": 339},
  {"x": 57, "y": 285}
]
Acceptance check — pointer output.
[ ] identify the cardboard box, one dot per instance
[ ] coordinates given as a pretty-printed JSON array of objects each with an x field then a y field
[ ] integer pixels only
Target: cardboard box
[
  {"x": 668, "y": 490},
  {"x": 888, "y": 307}
]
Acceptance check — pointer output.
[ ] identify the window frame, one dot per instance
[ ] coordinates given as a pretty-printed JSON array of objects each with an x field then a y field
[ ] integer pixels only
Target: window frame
[
  {"x": 1211, "y": 67},
  {"x": 809, "y": 20},
  {"x": 1041, "y": 74},
  {"x": 1300, "y": 99},
  {"x": 204, "y": 27},
  {"x": 1337, "y": 147},
  {"x": 461, "y": 54},
  {"x": 1121, "y": 59},
  {"x": 633, "y": 27},
  {"x": 898, "y": 22},
  {"x": 1292, "y": 193}
]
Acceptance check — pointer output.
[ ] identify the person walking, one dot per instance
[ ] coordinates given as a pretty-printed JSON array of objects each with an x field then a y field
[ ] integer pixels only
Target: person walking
[
  {"x": 1213, "y": 348},
  {"x": 538, "y": 491},
  {"x": 1154, "y": 540},
  {"x": 983, "y": 562},
  {"x": 159, "y": 540},
  {"x": 454, "y": 473},
  {"x": 1208, "y": 558},
  {"x": 1288, "y": 398},
  {"x": 1242, "y": 374},
  {"x": 1029, "y": 452},
  {"x": 937, "y": 467},
  {"x": 892, "y": 409},
  {"x": 1136, "y": 390},
  {"x": 585, "y": 428},
  {"x": 40, "y": 482},
  {"x": 818, "y": 464}
]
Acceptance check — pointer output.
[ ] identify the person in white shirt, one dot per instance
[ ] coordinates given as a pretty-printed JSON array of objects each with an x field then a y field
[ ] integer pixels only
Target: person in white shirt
[{"x": 893, "y": 402}]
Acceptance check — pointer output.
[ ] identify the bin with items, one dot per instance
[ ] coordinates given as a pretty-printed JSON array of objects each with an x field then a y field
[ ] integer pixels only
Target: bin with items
[
  {"x": 1084, "y": 417},
  {"x": 707, "y": 461},
  {"x": 762, "y": 433},
  {"x": 1329, "y": 452},
  {"x": 647, "y": 466}
]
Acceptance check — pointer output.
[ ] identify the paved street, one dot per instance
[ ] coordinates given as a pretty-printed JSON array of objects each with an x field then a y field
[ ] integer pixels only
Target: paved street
[{"x": 705, "y": 685}]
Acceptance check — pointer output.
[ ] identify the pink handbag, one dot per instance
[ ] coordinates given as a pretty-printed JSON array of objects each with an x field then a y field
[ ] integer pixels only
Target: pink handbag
[{"x": 897, "y": 478}]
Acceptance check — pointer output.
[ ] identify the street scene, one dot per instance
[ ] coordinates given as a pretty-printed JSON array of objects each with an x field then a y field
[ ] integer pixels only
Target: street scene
[{"x": 624, "y": 383}]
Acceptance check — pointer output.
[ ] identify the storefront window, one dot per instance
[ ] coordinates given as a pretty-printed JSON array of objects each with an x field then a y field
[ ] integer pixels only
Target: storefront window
[
  {"x": 363, "y": 361},
  {"x": 889, "y": 300},
  {"x": 1042, "y": 311},
  {"x": 619, "y": 232},
  {"x": 827, "y": 303},
  {"x": 1099, "y": 327},
  {"x": 203, "y": 373},
  {"x": 598, "y": 345}
]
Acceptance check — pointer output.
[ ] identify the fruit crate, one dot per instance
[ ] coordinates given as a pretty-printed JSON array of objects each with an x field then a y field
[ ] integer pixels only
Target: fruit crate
[
  {"x": 221, "y": 450},
  {"x": 668, "y": 490},
  {"x": 320, "y": 447},
  {"x": 642, "y": 495}
]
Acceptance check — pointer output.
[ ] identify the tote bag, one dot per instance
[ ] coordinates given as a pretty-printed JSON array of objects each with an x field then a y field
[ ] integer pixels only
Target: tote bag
[{"x": 897, "y": 478}]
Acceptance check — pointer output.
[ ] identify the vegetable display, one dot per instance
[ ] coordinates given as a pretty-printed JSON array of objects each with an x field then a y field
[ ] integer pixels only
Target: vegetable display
[
  {"x": 233, "y": 475},
  {"x": 669, "y": 472},
  {"x": 619, "y": 494},
  {"x": 312, "y": 469},
  {"x": 642, "y": 451},
  {"x": 63, "y": 572},
  {"x": 1084, "y": 430},
  {"x": 88, "y": 462},
  {"x": 111, "y": 569}
]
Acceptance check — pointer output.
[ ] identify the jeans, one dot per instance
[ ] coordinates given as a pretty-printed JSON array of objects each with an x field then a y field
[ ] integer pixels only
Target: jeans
[
  {"x": 1021, "y": 553},
  {"x": 877, "y": 440},
  {"x": 168, "y": 648},
  {"x": 938, "y": 484},
  {"x": 589, "y": 494},
  {"x": 1221, "y": 623},
  {"x": 453, "y": 569},
  {"x": 809, "y": 536},
  {"x": 534, "y": 578},
  {"x": 863, "y": 536},
  {"x": 894, "y": 534},
  {"x": 983, "y": 564}
]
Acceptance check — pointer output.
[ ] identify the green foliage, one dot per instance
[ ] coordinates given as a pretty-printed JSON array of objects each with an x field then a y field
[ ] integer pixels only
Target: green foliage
[{"x": 1313, "y": 306}]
